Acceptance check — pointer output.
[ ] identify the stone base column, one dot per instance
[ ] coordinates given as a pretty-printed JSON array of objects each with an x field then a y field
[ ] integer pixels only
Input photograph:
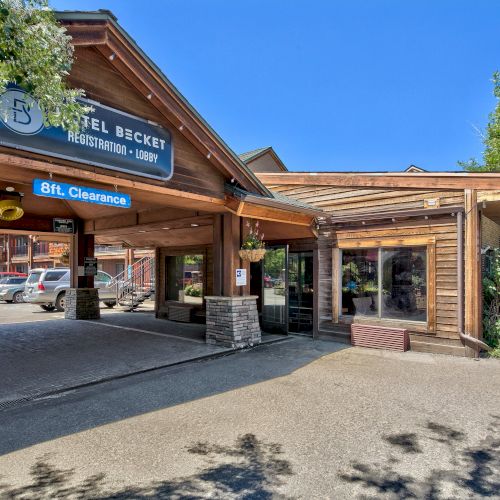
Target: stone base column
[
  {"x": 82, "y": 303},
  {"x": 233, "y": 321}
]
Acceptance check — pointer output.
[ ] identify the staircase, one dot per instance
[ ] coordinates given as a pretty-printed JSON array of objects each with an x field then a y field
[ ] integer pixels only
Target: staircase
[{"x": 135, "y": 284}]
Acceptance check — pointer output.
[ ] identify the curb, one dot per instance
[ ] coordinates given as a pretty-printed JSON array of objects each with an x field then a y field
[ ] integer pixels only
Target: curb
[{"x": 14, "y": 403}]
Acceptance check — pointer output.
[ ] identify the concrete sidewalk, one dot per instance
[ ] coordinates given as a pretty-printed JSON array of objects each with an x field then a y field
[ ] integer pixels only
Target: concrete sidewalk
[{"x": 43, "y": 357}]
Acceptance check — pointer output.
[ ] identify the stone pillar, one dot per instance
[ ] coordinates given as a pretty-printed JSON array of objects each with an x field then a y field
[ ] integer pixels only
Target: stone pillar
[
  {"x": 233, "y": 321},
  {"x": 82, "y": 303},
  {"x": 82, "y": 299}
]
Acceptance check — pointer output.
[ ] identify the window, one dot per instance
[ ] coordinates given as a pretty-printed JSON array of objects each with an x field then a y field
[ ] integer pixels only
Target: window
[
  {"x": 54, "y": 275},
  {"x": 360, "y": 282},
  {"x": 185, "y": 278},
  {"x": 404, "y": 284},
  {"x": 385, "y": 283},
  {"x": 103, "y": 277}
]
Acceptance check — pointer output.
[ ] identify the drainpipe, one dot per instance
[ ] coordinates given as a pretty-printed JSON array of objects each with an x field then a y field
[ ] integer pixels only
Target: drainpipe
[{"x": 467, "y": 340}]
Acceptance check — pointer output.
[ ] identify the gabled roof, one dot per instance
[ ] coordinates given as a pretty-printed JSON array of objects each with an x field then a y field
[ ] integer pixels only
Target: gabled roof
[
  {"x": 253, "y": 155},
  {"x": 101, "y": 30},
  {"x": 414, "y": 169}
]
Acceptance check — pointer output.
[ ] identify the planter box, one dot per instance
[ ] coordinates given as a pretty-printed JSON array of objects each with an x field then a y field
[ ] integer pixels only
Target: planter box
[{"x": 380, "y": 337}]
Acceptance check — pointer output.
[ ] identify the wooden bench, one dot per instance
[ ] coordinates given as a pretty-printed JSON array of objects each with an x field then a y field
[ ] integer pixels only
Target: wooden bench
[{"x": 380, "y": 337}]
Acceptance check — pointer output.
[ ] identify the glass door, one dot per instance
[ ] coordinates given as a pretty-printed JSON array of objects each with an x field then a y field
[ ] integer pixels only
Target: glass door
[
  {"x": 275, "y": 290},
  {"x": 300, "y": 292}
]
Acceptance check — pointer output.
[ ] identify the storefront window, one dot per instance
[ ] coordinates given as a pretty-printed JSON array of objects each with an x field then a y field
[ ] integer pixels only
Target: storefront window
[
  {"x": 404, "y": 284},
  {"x": 395, "y": 278},
  {"x": 185, "y": 278},
  {"x": 360, "y": 282}
]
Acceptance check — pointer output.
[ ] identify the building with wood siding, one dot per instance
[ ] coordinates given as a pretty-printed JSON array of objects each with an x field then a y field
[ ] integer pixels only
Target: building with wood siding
[{"x": 398, "y": 252}]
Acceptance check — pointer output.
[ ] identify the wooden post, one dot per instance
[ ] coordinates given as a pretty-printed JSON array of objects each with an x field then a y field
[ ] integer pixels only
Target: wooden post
[
  {"x": 316, "y": 292},
  {"x": 244, "y": 290},
  {"x": 231, "y": 259},
  {"x": 31, "y": 244},
  {"x": 473, "y": 291},
  {"x": 217, "y": 255},
  {"x": 159, "y": 285},
  {"x": 81, "y": 246},
  {"x": 8, "y": 253},
  {"x": 336, "y": 280}
]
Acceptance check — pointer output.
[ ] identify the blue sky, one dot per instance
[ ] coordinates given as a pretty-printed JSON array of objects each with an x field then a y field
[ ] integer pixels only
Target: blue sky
[{"x": 331, "y": 85}]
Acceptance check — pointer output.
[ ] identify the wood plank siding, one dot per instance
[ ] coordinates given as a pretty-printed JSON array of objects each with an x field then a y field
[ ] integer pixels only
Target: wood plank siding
[{"x": 102, "y": 83}]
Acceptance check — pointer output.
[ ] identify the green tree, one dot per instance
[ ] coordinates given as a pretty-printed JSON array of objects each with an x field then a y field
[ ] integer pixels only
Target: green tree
[
  {"x": 491, "y": 139},
  {"x": 36, "y": 54}
]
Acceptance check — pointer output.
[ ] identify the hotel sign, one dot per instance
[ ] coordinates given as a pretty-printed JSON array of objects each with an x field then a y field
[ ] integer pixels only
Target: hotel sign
[{"x": 108, "y": 138}]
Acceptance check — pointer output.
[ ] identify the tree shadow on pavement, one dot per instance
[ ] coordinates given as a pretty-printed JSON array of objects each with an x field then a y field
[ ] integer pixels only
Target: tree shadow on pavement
[
  {"x": 251, "y": 469},
  {"x": 467, "y": 471}
]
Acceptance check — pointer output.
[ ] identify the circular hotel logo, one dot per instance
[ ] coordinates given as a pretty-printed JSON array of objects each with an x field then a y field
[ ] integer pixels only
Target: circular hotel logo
[{"x": 20, "y": 112}]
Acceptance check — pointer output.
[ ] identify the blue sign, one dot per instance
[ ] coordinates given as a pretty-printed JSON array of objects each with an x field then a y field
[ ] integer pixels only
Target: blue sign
[
  {"x": 108, "y": 138},
  {"x": 52, "y": 189}
]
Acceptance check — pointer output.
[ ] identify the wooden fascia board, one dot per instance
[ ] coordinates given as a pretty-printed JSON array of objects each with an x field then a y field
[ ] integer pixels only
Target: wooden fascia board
[
  {"x": 18, "y": 162},
  {"x": 85, "y": 34},
  {"x": 252, "y": 211},
  {"x": 431, "y": 181},
  {"x": 103, "y": 227},
  {"x": 145, "y": 79}
]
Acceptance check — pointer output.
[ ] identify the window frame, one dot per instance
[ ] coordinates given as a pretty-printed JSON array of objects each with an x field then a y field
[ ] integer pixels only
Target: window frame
[{"x": 386, "y": 243}]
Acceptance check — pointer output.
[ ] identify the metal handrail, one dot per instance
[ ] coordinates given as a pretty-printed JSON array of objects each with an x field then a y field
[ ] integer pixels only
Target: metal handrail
[{"x": 135, "y": 283}]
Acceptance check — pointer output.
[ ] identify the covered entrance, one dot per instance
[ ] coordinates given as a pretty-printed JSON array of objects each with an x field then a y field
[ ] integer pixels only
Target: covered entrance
[{"x": 146, "y": 171}]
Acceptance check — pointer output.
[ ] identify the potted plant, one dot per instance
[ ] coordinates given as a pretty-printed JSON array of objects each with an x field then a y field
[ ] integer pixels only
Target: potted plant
[{"x": 253, "y": 247}]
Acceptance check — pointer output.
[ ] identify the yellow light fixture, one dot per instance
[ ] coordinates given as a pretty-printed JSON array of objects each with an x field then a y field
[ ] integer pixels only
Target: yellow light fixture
[{"x": 11, "y": 210}]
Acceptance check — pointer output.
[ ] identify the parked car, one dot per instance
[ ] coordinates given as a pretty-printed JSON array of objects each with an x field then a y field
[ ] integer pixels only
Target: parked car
[
  {"x": 47, "y": 288},
  {"x": 12, "y": 289},
  {"x": 12, "y": 274}
]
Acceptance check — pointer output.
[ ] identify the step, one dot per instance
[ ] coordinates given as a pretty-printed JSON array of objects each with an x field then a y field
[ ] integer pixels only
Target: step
[{"x": 435, "y": 348}]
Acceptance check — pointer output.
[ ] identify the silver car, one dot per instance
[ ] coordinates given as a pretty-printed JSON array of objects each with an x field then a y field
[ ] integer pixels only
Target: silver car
[
  {"x": 12, "y": 289},
  {"x": 47, "y": 288}
]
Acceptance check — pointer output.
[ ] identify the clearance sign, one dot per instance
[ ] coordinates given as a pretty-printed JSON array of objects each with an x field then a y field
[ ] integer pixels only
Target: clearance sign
[
  {"x": 108, "y": 137},
  {"x": 51, "y": 189}
]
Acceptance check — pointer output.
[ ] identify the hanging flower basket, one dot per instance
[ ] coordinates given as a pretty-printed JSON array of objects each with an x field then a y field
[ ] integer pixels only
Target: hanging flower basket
[
  {"x": 253, "y": 255},
  {"x": 253, "y": 247}
]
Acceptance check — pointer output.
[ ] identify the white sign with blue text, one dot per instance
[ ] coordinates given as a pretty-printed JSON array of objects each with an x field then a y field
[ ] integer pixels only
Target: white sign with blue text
[{"x": 70, "y": 192}]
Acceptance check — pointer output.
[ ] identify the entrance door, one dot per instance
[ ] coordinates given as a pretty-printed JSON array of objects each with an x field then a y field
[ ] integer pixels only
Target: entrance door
[
  {"x": 274, "y": 290},
  {"x": 300, "y": 292}
]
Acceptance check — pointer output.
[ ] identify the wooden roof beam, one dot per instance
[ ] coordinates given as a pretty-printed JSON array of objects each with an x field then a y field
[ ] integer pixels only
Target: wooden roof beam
[{"x": 389, "y": 180}]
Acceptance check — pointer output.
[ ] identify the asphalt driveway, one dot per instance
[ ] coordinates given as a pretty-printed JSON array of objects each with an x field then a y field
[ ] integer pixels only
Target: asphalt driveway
[{"x": 298, "y": 419}]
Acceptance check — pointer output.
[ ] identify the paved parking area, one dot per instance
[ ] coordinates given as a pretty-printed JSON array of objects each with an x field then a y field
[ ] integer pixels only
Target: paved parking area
[
  {"x": 299, "y": 419},
  {"x": 41, "y": 352}
]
